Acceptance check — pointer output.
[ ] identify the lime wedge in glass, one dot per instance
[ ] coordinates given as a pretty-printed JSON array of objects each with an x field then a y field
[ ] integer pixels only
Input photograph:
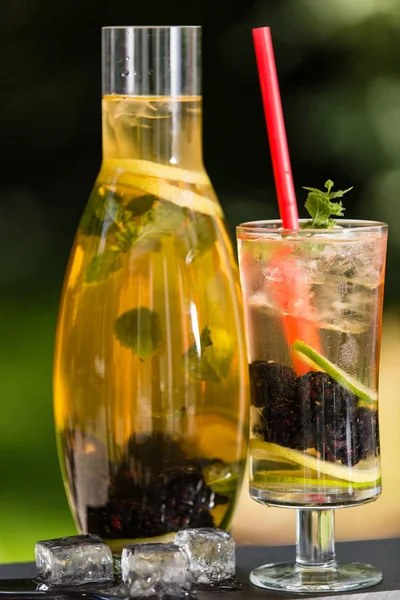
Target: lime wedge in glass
[
  {"x": 267, "y": 478},
  {"x": 264, "y": 450},
  {"x": 308, "y": 354}
]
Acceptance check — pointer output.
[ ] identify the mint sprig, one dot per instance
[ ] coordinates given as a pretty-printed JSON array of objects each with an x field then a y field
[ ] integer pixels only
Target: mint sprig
[
  {"x": 137, "y": 227},
  {"x": 140, "y": 231},
  {"x": 322, "y": 206}
]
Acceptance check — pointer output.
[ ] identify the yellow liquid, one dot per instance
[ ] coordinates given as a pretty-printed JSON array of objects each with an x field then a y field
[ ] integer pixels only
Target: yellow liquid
[{"x": 150, "y": 370}]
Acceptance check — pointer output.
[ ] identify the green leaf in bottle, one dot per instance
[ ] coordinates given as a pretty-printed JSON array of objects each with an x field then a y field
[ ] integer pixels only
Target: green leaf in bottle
[
  {"x": 197, "y": 238},
  {"x": 127, "y": 233},
  {"x": 139, "y": 330},
  {"x": 138, "y": 230},
  {"x": 140, "y": 205},
  {"x": 90, "y": 224},
  {"x": 103, "y": 210},
  {"x": 212, "y": 360},
  {"x": 110, "y": 210},
  {"x": 162, "y": 220},
  {"x": 102, "y": 266}
]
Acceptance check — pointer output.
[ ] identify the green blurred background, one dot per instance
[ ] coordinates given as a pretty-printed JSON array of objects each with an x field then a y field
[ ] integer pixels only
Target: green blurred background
[{"x": 339, "y": 70}]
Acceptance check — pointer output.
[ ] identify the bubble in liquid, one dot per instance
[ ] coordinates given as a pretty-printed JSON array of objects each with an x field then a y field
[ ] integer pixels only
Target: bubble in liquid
[{"x": 124, "y": 73}]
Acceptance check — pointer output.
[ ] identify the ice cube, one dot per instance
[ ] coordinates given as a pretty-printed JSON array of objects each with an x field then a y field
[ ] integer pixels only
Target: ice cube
[
  {"x": 211, "y": 553},
  {"x": 74, "y": 560},
  {"x": 149, "y": 569}
]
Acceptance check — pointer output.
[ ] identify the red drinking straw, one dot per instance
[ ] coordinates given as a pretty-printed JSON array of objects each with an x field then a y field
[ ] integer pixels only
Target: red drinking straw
[
  {"x": 276, "y": 127},
  {"x": 291, "y": 293}
]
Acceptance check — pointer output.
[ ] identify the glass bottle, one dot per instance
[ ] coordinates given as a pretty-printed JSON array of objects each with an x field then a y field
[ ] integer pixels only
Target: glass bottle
[{"x": 150, "y": 378}]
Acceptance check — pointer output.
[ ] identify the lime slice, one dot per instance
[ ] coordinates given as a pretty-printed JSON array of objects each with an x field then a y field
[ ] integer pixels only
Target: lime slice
[
  {"x": 158, "y": 187},
  {"x": 279, "y": 466},
  {"x": 172, "y": 193},
  {"x": 221, "y": 480},
  {"x": 217, "y": 437},
  {"x": 262, "y": 450},
  {"x": 263, "y": 477},
  {"x": 148, "y": 168},
  {"x": 311, "y": 356},
  {"x": 347, "y": 327}
]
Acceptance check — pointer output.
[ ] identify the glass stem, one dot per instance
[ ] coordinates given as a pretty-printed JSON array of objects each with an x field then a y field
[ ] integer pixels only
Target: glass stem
[{"x": 315, "y": 545}]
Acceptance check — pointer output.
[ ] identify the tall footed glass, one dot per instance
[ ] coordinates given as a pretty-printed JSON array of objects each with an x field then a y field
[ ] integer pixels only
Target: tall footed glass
[
  {"x": 313, "y": 306},
  {"x": 150, "y": 378}
]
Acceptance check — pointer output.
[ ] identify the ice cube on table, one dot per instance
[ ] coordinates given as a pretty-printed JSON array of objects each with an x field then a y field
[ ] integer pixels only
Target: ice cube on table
[
  {"x": 211, "y": 554},
  {"x": 154, "y": 569},
  {"x": 74, "y": 560}
]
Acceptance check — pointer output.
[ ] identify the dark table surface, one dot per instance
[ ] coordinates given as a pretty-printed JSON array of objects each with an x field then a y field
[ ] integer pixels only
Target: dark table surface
[{"x": 384, "y": 554}]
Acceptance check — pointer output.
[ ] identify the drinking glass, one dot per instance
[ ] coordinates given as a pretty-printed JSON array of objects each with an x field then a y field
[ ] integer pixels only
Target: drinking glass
[
  {"x": 150, "y": 373},
  {"x": 313, "y": 312}
]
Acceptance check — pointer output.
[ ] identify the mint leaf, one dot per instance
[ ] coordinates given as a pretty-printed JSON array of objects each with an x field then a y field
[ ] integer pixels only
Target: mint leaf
[
  {"x": 198, "y": 237},
  {"x": 102, "y": 210},
  {"x": 139, "y": 205},
  {"x": 199, "y": 368},
  {"x": 109, "y": 209},
  {"x": 329, "y": 185},
  {"x": 127, "y": 233},
  {"x": 212, "y": 360},
  {"x": 340, "y": 193},
  {"x": 164, "y": 219},
  {"x": 103, "y": 265},
  {"x": 139, "y": 330},
  {"x": 320, "y": 207},
  {"x": 138, "y": 235},
  {"x": 90, "y": 224}
]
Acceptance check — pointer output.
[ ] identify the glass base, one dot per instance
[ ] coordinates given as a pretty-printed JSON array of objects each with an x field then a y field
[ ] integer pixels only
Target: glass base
[{"x": 290, "y": 577}]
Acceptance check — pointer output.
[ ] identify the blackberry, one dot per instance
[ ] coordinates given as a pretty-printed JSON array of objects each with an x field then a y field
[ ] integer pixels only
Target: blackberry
[
  {"x": 331, "y": 401},
  {"x": 184, "y": 499},
  {"x": 312, "y": 411},
  {"x": 154, "y": 490},
  {"x": 337, "y": 435},
  {"x": 123, "y": 519},
  {"x": 177, "y": 499},
  {"x": 331, "y": 442},
  {"x": 367, "y": 426},
  {"x": 306, "y": 437},
  {"x": 282, "y": 421},
  {"x": 156, "y": 452},
  {"x": 270, "y": 381}
]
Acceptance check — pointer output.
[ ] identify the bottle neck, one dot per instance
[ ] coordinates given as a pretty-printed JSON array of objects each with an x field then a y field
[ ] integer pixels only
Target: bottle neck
[
  {"x": 151, "y": 79},
  {"x": 162, "y": 129}
]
